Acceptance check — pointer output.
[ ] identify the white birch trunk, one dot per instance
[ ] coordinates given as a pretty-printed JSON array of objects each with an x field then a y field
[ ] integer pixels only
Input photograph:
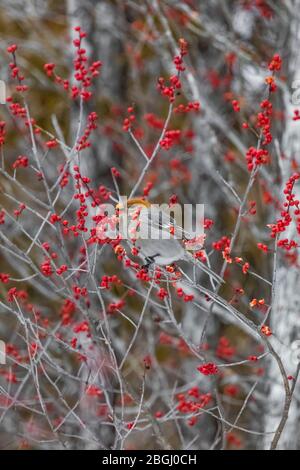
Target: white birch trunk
[{"x": 285, "y": 319}]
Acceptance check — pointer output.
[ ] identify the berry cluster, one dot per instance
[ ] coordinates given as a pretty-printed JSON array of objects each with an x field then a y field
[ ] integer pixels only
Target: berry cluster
[
  {"x": 208, "y": 369},
  {"x": 291, "y": 202},
  {"x": 84, "y": 72},
  {"x": 15, "y": 70},
  {"x": 21, "y": 161}
]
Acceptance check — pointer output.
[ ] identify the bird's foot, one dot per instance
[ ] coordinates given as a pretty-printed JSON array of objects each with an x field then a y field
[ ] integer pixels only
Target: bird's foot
[{"x": 149, "y": 261}]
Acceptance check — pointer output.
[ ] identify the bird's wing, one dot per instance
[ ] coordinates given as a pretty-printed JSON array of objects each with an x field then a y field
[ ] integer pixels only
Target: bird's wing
[
  {"x": 152, "y": 224},
  {"x": 155, "y": 224},
  {"x": 161, "y": 224}
]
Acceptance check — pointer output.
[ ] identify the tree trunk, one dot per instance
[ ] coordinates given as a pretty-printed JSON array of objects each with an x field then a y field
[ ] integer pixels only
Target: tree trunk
[{"x": 285, "y": 320}]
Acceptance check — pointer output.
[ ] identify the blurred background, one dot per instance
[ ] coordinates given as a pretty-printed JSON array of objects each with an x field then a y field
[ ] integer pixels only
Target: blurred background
[{"x": 230, "y": 44}]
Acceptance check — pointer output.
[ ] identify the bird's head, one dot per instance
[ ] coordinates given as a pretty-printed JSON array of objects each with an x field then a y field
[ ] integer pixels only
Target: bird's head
[{"x": 135, "y": 201}]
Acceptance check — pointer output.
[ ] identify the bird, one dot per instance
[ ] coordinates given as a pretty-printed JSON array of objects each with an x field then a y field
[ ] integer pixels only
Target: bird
[{"x": 157, "y": 237}]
